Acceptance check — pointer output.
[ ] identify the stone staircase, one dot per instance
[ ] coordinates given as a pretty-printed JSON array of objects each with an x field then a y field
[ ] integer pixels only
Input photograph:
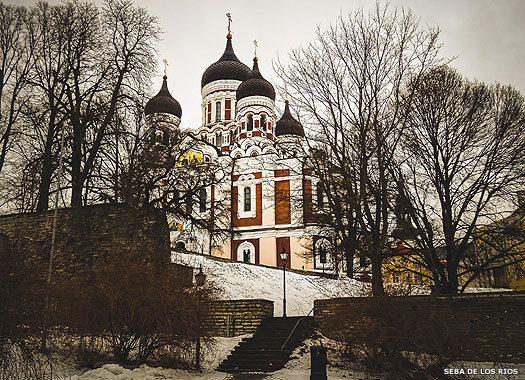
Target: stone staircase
[{"x": 270, "y": 347}]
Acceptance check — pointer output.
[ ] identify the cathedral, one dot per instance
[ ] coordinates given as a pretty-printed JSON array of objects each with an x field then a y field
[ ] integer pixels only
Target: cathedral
[{"x": 268, "y": 189}]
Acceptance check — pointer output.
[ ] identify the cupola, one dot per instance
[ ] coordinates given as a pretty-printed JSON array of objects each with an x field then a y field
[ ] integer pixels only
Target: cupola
[
  {"x": 287, "y": 125},
  {"x": 163, "y": 102},
  {"x": 255, "y": 85},
  {"x": 228, "y": 67}
]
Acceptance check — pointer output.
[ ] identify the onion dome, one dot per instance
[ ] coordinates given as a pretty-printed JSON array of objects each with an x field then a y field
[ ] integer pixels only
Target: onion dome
[
  {"x": 163, "y": 102},
  {"x": 287, "y": 125},
  {"x": 255, "y": 85},
  {"x": 227, "y": 67}
]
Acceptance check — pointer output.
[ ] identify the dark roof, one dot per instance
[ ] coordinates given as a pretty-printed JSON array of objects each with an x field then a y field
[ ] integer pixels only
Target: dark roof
[
  {"x": 287, "y": 125},
  {"x": 227, "y": 67},
  {"x": 255, "y": 85},
  {"x": 163, "y": 102}
]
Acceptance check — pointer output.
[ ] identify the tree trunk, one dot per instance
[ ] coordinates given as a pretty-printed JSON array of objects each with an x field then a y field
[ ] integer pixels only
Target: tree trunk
[{"x": 377, "y": 276}]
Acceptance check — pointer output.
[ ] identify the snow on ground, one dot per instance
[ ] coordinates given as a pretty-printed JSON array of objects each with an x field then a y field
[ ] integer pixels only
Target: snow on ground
[
  {"x": 248, "y": 281},
  {"x": 298, "y": 368}
]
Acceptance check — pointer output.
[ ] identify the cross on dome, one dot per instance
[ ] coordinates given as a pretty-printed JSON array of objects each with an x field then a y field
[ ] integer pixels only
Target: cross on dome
[
  {"x": 229, "y": 24},
  {"x": 165, "y": 66}
]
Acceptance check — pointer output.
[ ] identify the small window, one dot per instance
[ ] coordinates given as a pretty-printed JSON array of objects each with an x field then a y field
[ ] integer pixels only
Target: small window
[
  {"x": 320, "y": 195},
  {"x": 189, "y": 203},
  {"x": 175, "y": 197},
  {"x": 250, "y": 122},
  {"x": 202, "y": 200},
  {"x": 232, "y": 136},
  {"x": 218, "y": 138},
  {"x": 246, "y": 255},
  {"x": 209, "y": 113},
  {"x": 218, "y": 111},
  {"x": 263, "y": 123},
  {"x": 227, "y": 109},
  {"x": 247, "y": 199},
  {"x": 395, "y": 277},
  {"x": 166, "y": 139}
]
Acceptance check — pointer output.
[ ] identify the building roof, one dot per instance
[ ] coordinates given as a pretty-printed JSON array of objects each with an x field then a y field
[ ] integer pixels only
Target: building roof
[
  {"x": 287, "y": 125},
  {"x": 163, "y": 102},
  {"x": 227, "y": 67},
  {"x": 255, "y": 85}
]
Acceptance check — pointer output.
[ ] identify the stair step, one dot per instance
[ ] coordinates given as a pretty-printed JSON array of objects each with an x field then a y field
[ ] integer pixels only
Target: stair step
[{"x": 262, "y": 352}]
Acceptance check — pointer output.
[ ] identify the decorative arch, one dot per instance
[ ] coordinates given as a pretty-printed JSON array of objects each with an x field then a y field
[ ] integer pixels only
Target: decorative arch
[{"x": 246, "y": 252}]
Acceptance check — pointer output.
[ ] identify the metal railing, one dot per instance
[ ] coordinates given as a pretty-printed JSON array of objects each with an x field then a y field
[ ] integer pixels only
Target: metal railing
[{"x": 293, "y": 330}]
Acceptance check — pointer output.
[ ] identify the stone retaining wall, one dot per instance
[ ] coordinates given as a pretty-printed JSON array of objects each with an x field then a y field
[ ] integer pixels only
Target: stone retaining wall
[
  {"x": 88, "y": 238},
  {"x": 479, "y": 327},
  {"x": 236, "y": 317}
]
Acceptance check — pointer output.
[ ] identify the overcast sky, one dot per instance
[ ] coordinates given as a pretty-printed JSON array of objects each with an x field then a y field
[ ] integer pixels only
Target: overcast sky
[{"x": 486, "y": 36}]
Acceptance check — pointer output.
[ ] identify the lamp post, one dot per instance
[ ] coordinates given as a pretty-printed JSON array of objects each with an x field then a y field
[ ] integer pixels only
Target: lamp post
[
  {"x": 284, "y": 257},
  {"x": 200, "y": 278}
]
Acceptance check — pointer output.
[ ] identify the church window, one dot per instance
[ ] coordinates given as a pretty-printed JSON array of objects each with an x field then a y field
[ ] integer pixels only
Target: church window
[
  {"x": 175, "y": 197},
  {"x": 158, "y": 137},
  {"x": 218, "y": 111},
  {"x": 263, "y": 123},
  {"x": 362, "y": 261},
  {"x": 250, "y": 123},
  {"x": 247, "y": 199},
  {"x": 232, "y": 136},
  {"x": 202, "y": 200},
  {"x": 189, "y": 203},
  {"x": 218, "y": 138},
  {"x": 166, "y": 139},
  {"x": 227, "y": 109},
  {"x": 320, "y": 195},
  {"x": 269, "y": 126},
  {"x": 209, "y": 113}
]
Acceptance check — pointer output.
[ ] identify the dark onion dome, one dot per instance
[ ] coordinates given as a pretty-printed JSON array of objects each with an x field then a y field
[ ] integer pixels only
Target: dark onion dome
[
  {"x": 227, "y": 67},
  {"x": 255, "y": 85},
  {"x": 163, "y": 102},
  {"x": 287, "y": 125}
]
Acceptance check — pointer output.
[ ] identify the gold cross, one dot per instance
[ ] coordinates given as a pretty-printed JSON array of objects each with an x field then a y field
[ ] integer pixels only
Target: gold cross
[
  {"x": 255, "y": 43},
  {"x": 229, "y": 21},
  {"x": 165, "y": 65}
]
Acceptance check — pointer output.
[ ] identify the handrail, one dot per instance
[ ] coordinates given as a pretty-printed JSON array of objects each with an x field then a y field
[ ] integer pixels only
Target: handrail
[{"x": 296, "y": 324}]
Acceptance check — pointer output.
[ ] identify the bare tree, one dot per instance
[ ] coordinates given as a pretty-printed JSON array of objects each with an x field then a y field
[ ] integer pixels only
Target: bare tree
[
  {"x": 463, "y": 155},
  {"x": 348, "y": 83},
  {"x": 16, "y": 60},
  {"x": 90, "y": 64}
]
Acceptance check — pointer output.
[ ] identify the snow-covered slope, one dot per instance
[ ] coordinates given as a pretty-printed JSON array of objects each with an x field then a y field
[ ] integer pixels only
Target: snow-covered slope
[{"x": 246, "y": 281}]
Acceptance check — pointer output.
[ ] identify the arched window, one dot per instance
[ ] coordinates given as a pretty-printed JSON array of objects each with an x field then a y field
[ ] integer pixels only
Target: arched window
[
  {"x": 232, "y": 136},
  {"x": 218, "y": 111},
  {"x": 250, "y": 122},
  {"x": 209, "y": 113},
  {"x": 175, "y": 197},
  {"x": 189, "y": 203},
  {"x": 166, "y": 139},
  {"x": 246, "y": 252},
  {"x": 263, "y": 123},
  {"x": 247, "y": 199},
  {"x": 320, "y": 195},
  {"x": 246, "y": 255},
  {"x": 202, "y": 200},
  {"x": 218, "y": 138}
]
